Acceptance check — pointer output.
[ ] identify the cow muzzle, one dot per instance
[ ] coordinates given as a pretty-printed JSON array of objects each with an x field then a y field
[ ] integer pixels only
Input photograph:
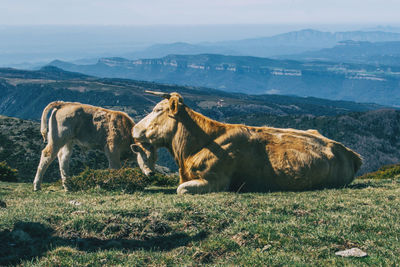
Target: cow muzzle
[
  {"x": 149, "y": 173},
  {"x": 138, "y": 134}
]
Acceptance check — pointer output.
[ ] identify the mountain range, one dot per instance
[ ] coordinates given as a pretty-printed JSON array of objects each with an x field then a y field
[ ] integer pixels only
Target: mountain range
[
  {"x": 253, "y": 75},
  {"x": 30, "y": 47},
  {"x": 378, "y": 53},
  {"x": 282, "y": 44}
]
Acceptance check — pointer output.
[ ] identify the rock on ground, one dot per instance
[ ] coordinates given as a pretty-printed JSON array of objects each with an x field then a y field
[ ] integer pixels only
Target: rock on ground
[{"x": 353, "y": 252}]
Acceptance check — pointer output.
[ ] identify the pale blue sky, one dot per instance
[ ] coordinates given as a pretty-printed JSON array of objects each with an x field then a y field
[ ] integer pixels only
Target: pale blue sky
[{"x": 181, "y": 12}]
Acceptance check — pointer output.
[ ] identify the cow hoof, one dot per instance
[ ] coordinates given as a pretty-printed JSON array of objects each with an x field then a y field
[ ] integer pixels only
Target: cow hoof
[
  {"x": 36, "y": 188},
  {"x": 66, "y": 189},
  {"x": 181, "y": 190}
]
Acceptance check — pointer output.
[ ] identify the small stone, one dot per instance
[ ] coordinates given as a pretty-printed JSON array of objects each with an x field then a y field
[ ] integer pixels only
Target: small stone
[
  {"x": 74, "y": 202},
  {"x": 77, "y": 212},
  {"x": 353, "y": 252},
  {"x": 241, "y": 238},
  {"x": 266, "y": 247}
]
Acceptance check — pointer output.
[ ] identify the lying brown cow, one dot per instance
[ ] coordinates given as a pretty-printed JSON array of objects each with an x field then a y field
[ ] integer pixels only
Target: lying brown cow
[
  {"x": 213, "y": 156},
  {"x": 89, "y": 127}
]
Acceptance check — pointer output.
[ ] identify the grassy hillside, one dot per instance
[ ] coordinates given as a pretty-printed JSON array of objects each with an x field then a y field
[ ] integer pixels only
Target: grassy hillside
[{"x": 156, "y": 227}]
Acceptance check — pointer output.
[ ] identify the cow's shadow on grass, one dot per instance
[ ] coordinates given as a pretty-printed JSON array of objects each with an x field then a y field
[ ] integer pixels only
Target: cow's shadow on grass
[
  {"x": 364, "y": 184},
  {"x": 167, "y": 191},
  {"x": 359, "y": 186},
  {"x": 28, "y": 240},
  {"x": 160, "y": 243}
]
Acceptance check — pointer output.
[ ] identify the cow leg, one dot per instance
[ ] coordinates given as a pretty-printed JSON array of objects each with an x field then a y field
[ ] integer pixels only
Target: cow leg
[
  {"x": 113, "y": 157},
  {"x": 48, "y": 155},
  {"x": 201, "y": 186},
  {"x": 197, "y": 186},
  {"x": 63, "y": 159}
]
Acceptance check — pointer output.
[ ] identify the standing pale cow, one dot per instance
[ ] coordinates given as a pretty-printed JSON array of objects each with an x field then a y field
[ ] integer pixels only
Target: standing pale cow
[
  {"x": 213, "y": 156},
  {"x": 91, "y": 128}
]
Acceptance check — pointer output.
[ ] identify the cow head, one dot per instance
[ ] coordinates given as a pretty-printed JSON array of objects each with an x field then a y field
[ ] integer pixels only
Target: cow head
[
  {"x": 158, "y": 127},
  {"x": 146, "y": 157}
]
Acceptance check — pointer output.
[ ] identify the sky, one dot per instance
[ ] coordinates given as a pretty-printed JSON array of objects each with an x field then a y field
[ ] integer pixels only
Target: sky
[
  {"x": 195, "y": 12},
  {"x": 41, "y": 30}
]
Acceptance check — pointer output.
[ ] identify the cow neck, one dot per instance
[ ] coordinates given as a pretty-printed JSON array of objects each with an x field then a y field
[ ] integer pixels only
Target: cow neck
[{"x": 194, "y": 132}]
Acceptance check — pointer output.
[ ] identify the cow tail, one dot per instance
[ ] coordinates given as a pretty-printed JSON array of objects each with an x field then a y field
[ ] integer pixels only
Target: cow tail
[
  {"x": 357, "y": 159},
  {"x": 43, "y": 123}
]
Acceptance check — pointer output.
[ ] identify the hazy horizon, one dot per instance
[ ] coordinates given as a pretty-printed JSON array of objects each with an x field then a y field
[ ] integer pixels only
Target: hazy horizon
[
  {"x": 184, "y": 12},
  {"x": 40, "y": 44},
  {"x": 39, "y": 31}
]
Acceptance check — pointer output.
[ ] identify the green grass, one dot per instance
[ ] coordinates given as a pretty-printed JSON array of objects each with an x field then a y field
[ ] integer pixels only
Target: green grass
[{"x": 158, "y": 227}]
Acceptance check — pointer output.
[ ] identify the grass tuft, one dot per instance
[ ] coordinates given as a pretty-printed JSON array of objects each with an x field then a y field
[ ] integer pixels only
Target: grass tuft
[
  {"x": 164, "y": 180},
  {"x": 7, "y": 174},
  {"x": 385, "y": 172},
  {"x": 127, "y": 180}
]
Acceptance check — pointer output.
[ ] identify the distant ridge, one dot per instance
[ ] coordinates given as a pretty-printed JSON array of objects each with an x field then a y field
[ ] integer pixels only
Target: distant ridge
[
  {"x": 83, "y": 48},
  {"x": 378, "y": 53},
  {"x": 255, "y": 75},
  {"x": 282, "y": 44},
  {"x": 48, "y": 71}
]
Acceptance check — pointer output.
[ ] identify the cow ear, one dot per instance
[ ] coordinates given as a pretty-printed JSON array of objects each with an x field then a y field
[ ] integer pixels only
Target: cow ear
[
  {"x": 175, "y": 104},
  {"x": 135, "y": 148}
]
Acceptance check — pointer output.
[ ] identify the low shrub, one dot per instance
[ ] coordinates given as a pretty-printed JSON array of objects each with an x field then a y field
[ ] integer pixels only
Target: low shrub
[
  {"x": 384, "y": 172},
  {"x": 126, "y": 180},
  {"x": 164, "y": 180},
  {"x": 7, "y": 174}
]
